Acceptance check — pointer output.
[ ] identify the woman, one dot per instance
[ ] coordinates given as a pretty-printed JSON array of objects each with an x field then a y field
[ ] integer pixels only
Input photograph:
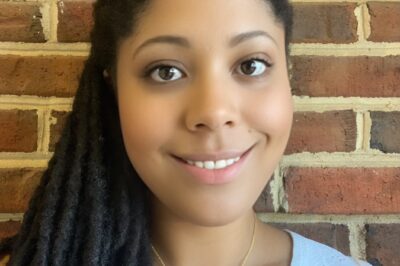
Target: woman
[{"x": 183, "y": 112}]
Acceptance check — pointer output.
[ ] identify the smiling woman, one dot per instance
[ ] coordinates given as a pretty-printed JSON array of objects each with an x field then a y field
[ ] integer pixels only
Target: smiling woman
[{"x": 177, "y": 126}]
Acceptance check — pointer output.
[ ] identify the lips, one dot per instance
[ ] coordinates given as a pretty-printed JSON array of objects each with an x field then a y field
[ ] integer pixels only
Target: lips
[{"x": 214, "y": 176}]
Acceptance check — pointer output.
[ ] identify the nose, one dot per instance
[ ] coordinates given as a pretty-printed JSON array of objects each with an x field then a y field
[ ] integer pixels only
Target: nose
[{"x": 212, "y": 105}]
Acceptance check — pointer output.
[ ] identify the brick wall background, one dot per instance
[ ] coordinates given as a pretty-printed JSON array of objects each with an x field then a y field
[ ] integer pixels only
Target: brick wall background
[{"x": 339, "y": 180}]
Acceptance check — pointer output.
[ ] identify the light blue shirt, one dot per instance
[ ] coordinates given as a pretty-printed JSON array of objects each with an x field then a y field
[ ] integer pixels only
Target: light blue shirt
[{"x": 307, "y": 252}]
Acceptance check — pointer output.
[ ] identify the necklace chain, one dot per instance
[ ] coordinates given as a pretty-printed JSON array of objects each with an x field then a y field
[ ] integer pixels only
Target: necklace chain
[{"x": 244, "y": 260}]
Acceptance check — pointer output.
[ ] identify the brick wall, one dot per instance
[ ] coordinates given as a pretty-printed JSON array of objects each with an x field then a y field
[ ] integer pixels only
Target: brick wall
[{"x": 339, "y": 180}]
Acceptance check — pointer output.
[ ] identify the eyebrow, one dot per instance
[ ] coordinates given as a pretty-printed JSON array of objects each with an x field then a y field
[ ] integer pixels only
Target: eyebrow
[
  {"x": 249, "y": 35},
  {"x": 183, "y": 42}
]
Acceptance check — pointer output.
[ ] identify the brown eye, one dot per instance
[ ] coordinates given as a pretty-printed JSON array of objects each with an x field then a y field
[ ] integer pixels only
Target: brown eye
[
  {"x": 165, "y": 73},
  {"x": 254, "y": 67}
]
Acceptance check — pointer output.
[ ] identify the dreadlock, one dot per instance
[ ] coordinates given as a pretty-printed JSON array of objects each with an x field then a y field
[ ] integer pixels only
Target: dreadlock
[{"x": 91, "y": 207}]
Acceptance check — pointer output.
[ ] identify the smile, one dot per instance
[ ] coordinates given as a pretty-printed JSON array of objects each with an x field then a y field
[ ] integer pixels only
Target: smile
[
  {"x": 214, "y": 172},
  {"x": 213, "y": 164}
]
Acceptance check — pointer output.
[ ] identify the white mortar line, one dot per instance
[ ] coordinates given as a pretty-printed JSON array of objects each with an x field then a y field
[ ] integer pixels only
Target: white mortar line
[
  {"x": 370, "y": 159},
  {"x": 358, "y": 12},
  {"x": 54, "y": 19},
  {"x": 366, "y": 21},
  {"x": 40, "y": 129},
  {"x": 283, "y": 202},
  {"x": 360, "y": 131},
  {"x": 365, "y": 48},
  {"x": 276, "y": 189},
  {"x": 340, "y": 219},
  {"x": 53, "y": 11},
  {"x": 367, "y": 131},
  {"x": 23, "y": 163},
  {"x": 49, "y": 48},
  {"x": 35, "y": 102},
  {"x": 46, "y": 131},
  {"x": 45, "y": 20},
  {"x": 357, "y": 240},
  {"x": 5, "y": 217},
  {"x": 358, "y": 104},
  {"x": 21, "y": 160},
  {"x": 33, "y": 53}
]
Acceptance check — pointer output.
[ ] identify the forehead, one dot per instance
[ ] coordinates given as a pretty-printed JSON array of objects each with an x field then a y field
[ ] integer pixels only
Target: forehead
[{"x": 207, "y": 20}]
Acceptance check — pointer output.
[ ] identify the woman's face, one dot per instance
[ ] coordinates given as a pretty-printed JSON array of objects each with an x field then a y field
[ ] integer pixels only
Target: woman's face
[{"x": 217, "y": 85}]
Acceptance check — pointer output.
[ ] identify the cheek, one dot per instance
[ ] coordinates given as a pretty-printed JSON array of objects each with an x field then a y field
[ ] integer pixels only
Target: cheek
[
  {"x": 271, "y": 113},
  {"x": 141, "y": 121}
]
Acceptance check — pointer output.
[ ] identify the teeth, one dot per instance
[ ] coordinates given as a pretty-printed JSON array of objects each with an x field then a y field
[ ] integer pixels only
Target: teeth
[{"x": 213, "y": 165}]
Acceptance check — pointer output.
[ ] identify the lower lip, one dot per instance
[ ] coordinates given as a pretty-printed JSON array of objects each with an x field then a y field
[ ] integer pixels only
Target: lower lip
[{"x": 215, "y": 176}]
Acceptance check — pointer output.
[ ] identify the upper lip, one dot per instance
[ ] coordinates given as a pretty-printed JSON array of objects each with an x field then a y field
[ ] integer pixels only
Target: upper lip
[{"x": 213, "y": 156}]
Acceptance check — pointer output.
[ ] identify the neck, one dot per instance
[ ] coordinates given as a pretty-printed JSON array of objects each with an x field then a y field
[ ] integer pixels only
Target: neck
[{"x": 185, "y": 241}]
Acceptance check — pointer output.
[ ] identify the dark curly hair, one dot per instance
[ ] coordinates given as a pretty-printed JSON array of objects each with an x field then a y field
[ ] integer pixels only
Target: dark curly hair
[{"x": 91, "y": 207}]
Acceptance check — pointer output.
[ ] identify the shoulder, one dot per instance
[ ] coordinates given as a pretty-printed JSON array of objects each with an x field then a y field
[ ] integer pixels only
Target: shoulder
[{"x": 307, "y": 252}]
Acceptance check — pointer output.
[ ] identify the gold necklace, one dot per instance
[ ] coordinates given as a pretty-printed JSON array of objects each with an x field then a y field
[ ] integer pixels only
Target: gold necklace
[{"x": 245, "y": 258}]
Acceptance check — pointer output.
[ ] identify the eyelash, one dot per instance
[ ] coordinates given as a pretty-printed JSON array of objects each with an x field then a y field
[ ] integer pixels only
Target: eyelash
[
  {"x": 259, "y": 59},
  {"x": 148, "y": 72}
]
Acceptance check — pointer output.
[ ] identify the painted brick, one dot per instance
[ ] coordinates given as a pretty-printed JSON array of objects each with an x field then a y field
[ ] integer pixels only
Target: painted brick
[
  {"x": 18, "y": 130},
  {"x": 20, "y": 22},
  {"x": 56, "y": 128},
  {"x": 335, "y": 236},
  {"x": 17, "y": 187},
  {"x": 342, "y": 190},
  {"x": 324, "y": 23},
  {"x": 385, "y": 131},
  {"x": 383, "y": 243},
  {"x": 362, "y": 76},
  {"x": 41, "y": 75},
  {"x": 385, "y": 21},
  {"x": 334, "y": 131},
  {"x": 74, "y": 21}
]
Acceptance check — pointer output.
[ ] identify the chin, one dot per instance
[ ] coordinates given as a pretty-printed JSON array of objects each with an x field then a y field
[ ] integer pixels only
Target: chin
[{"x": 214, "y": 216}]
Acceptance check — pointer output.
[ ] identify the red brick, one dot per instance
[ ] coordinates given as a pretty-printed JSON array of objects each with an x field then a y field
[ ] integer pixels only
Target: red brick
[
  {"x": 41, "y": 75},
  {"x": 56, "y": 129},
  {"x": 9, "y": 228},
  {"x": 383, "y": 243},
  {"x": 20, "y": 22},
  {"x": 324, "y": 23},
  {"x": 264, "y": 202},
  {"x": 334, "y": 131},
  {"x": 17, "y": 187},
  {"x": 385, "y": 131},
  {"x": 74, "y": 21},
  {"x": 343, "y": 190},
  {"x": 362, "y": 76},
  {"x": 335, "y": 236},
  {"x": 385, "y": 21},
  {"x": 18, "y": 130}
]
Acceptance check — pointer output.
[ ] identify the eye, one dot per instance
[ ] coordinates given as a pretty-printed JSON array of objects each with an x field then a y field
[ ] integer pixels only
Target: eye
[
  {"x": 254, "y": 67},
  {"x": 164, "y": 73}
]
